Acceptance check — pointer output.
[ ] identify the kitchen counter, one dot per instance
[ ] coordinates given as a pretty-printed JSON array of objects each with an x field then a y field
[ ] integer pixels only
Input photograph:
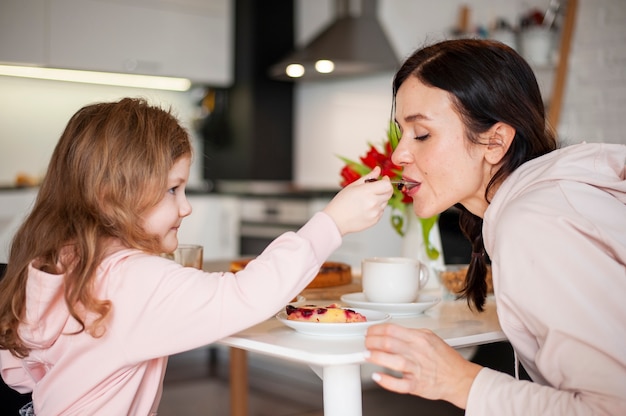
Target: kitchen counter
[{"x": 261, "y": 189}]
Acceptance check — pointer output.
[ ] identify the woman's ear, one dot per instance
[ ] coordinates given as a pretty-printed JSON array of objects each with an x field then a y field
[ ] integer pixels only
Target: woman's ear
[{"x": 500, "y": 136}]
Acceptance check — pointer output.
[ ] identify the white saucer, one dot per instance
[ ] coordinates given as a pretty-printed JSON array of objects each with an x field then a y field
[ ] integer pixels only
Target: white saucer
[{"x": 395, "y": 309}]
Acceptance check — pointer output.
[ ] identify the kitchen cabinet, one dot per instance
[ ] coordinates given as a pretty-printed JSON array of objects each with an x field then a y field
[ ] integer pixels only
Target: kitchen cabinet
[
  {"x": 22, "y": 32},
  {"x": 185, "y": 38},
  {"x": 15, "y": 204},
  {"x": 214, "y": 222}
]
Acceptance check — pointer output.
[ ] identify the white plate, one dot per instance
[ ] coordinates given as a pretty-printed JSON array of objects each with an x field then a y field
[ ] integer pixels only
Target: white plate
[
  {"x": 336, "y": 329},
  {"x": 424, "y": 303}
]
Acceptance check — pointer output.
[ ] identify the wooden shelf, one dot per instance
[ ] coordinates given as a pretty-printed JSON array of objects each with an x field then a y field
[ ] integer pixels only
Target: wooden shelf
[{"x": 560, "y": 75}]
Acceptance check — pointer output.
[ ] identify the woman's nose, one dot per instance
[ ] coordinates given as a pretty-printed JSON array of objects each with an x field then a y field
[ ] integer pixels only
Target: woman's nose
[{"x": 401, "y": 156}]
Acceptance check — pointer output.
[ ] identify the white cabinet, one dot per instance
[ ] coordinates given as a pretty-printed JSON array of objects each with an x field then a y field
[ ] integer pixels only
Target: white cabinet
[
  {"x": 22, "y": 31},
  {"x": 184, "y": 38},
  {"x": 213, "y": 223},
  {"x": 15, "y": 205}
]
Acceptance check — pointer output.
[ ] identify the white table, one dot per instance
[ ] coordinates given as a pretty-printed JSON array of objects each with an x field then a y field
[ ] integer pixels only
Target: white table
[{"x": 337, "y": 361}]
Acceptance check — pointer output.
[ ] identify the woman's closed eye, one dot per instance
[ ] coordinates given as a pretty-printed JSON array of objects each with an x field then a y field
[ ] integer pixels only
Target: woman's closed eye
[{"x": 422, "y": 137}]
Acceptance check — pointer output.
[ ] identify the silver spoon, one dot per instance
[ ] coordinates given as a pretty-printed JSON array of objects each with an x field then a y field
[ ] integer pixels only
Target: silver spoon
[{"x": 400, "y": 185}]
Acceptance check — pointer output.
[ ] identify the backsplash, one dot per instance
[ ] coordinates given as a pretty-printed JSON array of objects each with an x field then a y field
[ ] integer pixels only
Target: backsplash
[
  {"x": 33, "y": 114},
  {"x": 340, "y": 117}
]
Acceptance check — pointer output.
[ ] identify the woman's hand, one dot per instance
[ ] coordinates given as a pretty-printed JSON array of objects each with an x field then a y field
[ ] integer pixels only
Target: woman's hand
[
  {"x": 428, "y": 366},
  {"x": 360, "y": 205}
]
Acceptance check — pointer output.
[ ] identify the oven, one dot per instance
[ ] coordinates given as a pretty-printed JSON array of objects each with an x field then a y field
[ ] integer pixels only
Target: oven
[{"x": 263, "y": 218}]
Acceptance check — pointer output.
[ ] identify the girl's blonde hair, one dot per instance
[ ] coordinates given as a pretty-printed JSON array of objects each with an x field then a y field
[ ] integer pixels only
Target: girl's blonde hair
[{"x": 109, "y": 167}]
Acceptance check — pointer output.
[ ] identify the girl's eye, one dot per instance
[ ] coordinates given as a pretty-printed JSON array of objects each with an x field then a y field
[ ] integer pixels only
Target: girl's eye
[
  {"x": 423, "y": 137},
  {"x": 172, "y": 190}
]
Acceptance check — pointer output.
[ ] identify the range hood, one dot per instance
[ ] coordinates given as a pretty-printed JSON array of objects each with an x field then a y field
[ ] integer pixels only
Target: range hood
[{"x": 349, "y": 46}]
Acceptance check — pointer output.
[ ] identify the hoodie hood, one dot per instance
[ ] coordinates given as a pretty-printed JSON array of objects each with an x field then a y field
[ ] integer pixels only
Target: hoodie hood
[
  {"x": 46, "y": 311},
  {"x": 600, "y": 165},
  {"x": 47, "y": 315}
]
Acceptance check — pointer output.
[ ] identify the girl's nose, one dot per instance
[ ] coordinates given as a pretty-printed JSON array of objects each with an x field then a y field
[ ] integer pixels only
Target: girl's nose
[{"x": 185, "y": 207}]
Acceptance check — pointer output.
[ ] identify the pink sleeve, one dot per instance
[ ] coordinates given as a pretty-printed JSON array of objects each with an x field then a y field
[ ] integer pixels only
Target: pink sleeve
[
  {"x": 496, "y": 393},
  {"x": 164, "y": 308},
  {"x": 13, "y": 374}
]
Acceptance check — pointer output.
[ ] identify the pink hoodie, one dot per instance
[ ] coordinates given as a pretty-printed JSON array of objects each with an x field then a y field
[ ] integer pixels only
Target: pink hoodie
[
  {"x": 556, "y": 234},
  {"x": 159, "y": 309}
]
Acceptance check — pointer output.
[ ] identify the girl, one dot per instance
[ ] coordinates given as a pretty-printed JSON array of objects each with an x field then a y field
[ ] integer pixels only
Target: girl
[
  {"x": 553, "y": 223},
  {"x": 89, "y": 312}
]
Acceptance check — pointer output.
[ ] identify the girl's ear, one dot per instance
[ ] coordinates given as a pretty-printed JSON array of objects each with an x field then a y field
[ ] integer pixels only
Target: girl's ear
[{"x": 500, "y": 136}]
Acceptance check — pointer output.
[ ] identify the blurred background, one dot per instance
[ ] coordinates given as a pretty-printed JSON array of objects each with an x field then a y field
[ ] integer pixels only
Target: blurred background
[
  {"x": 266, "y": 146},
  {"x": 226, "y": 48}
]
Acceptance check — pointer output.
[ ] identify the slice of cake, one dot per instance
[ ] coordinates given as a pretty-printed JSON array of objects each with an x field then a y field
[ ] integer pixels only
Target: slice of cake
[
  {"x": 330, "y": 313},
  {"x": 330, "y": 274}
]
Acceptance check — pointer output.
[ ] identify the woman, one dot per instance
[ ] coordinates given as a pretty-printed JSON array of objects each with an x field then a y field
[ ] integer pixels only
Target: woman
[{"x": 553, "y": 222}]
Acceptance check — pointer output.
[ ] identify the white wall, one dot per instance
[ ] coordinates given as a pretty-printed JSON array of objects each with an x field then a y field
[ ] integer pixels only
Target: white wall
[
  {"x": 341, "y": 117},
  {"x": 33, "y": 114}
]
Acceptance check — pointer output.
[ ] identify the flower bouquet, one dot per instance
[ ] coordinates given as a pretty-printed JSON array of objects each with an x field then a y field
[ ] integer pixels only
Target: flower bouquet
[{"x": 399, "y": 201}]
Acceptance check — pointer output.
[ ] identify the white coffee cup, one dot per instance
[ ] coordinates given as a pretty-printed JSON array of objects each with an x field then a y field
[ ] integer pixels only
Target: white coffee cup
[{"x": 393, "y": 279}]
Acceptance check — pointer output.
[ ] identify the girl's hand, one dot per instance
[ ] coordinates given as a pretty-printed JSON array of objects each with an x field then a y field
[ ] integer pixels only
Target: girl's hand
[
  {"x": 426, "y": 365},
  {"x": 360, "y": 205}
]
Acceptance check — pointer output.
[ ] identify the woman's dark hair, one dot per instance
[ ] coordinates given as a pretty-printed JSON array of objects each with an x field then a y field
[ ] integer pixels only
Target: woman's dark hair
[{"x": 488, "y": 82}]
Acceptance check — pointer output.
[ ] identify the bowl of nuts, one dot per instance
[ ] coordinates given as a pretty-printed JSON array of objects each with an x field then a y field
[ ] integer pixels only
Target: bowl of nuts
[{"x": 452, "y": 278}]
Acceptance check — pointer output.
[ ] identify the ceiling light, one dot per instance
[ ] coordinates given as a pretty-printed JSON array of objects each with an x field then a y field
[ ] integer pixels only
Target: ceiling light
[
  {"x": 324, "y": 66},
  {"x": 294, "y": 70},
  {"x": 92, "y": 77}
]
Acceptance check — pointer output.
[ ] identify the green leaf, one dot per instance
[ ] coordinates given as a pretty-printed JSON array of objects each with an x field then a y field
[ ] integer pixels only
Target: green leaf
[
  {"x": 393, "y": 134},
  {"x": 359, "y": 168},
  {"x": 397, "y": 222},
  {"x": 427, "y": 226}
]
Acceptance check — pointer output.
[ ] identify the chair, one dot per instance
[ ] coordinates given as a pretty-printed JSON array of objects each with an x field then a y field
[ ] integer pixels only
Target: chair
[{"x": 11, "y": 400}]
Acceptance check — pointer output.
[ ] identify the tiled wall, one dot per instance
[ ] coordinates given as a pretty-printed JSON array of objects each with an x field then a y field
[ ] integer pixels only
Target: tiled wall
[
  {"x": 595, "y": 102},
  {"x": 356, "y": 111}
]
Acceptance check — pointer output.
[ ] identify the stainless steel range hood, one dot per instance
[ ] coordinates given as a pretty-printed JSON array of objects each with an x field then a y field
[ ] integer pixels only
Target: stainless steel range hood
[{"x": 349, "y": 46}]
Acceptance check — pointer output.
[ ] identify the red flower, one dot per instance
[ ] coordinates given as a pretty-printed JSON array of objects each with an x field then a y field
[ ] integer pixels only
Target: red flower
[
  {"x": 399, "y": 201},
  {"x": 353, "y": 170},
  {"x": 374, "y": 158},
  {"x": 349, "y": 175}
]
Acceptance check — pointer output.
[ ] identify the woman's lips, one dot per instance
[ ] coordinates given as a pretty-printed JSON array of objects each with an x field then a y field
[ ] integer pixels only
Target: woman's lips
[{"x": 411, "y": 186}]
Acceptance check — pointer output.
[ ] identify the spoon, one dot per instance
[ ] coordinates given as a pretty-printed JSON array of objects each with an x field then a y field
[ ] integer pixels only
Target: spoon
[{"x": 402, "y": 186}]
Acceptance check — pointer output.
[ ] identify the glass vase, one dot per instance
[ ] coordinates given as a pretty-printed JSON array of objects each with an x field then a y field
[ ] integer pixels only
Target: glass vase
[{"x": 414, "y": 246}]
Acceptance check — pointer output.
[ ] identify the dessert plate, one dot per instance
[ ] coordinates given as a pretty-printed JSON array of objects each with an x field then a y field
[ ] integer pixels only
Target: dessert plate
[
  {"x": 336, "y": 329},
  {"x": 424, "y": 303}
]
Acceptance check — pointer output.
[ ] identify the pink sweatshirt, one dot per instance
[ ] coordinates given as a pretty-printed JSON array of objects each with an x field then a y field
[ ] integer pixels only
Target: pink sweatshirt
[
  {"x": 556, "y": 234},
  {"x": 159, "y": 309}
]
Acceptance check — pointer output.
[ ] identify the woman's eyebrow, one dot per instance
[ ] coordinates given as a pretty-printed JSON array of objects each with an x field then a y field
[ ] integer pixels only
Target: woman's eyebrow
[{"x": 415, "y": 117}]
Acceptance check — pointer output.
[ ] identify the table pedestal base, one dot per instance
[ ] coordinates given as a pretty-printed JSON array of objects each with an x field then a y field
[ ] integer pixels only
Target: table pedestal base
[{"x": 342, "y": 389}]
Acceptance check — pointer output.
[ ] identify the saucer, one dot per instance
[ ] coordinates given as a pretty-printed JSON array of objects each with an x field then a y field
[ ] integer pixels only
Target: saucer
[{"x": 424, "y": 303}]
